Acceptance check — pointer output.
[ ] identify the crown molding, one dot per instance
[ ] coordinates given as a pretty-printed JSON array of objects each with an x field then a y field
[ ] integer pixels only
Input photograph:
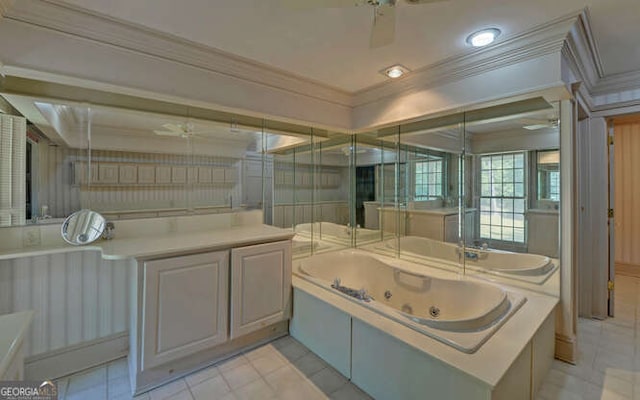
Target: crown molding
[
  {"x": 581, "y": 54},
  {"x": 539, "y": 41},
  {"x": 82, "y": 23},
  {"x": 569, "y": 35},
  {"x": 617, "y": 83}
]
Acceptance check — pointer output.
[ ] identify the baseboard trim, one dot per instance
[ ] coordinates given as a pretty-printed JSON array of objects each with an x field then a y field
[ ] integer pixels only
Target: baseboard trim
[
  {"x": 69, "y": 360},
  {"x": 566, "y": 348}
]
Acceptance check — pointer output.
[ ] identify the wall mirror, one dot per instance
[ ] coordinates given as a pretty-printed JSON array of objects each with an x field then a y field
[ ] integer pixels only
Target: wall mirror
[
  {"x": 433, "y": 186},
  {"x": 512, "y": 158},
  {"x": 131, "y": 164},
  {"x": 311, "y": 192},
  {"x": 82, "y": 227}
]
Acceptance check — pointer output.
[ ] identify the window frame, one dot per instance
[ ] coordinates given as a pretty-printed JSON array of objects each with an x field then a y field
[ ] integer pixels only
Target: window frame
[
  {"x": 428, "y": 159},
  {"x": 501, "y": 242}
]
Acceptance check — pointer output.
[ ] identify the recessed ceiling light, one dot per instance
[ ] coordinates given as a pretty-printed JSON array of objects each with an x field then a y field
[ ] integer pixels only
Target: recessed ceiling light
[
  {"x": 483, "y": 37},
  {"x": 395, "y": 71}
]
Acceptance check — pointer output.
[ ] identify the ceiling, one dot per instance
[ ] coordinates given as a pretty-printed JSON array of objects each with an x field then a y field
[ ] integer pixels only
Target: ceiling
[{"x": 331, "y": 45}]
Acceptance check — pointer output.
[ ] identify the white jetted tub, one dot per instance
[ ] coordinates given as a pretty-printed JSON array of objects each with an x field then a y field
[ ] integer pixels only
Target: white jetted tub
[
  {"x": 488, "y": 260},
  {"x": 461, "y": 313}
]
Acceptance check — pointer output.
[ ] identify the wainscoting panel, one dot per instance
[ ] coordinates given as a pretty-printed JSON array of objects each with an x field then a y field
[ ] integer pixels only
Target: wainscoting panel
[{"x": 77, "y": 296}]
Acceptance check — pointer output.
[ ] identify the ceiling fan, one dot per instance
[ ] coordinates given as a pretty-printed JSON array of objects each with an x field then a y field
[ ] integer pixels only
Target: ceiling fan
[
  {"x": 384, "y": 14},
  {"x": 185, "y": 130},
  {"x": 536, "y": 124}
]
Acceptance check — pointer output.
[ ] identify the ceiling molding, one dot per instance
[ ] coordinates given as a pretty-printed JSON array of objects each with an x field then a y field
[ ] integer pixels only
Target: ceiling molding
[
  {"x": 543, "y": 39},
  {"x": 581, "y": 54},
  {"x": 617, "y": 83},
  {"x": 578, "y": 52},
  {"x": 61, "y": 17},
  {"x": 570, "y": 34}
]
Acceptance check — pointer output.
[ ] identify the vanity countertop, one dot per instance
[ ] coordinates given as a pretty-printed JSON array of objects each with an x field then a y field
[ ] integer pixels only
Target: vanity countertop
[
  {"x": 169, "y": 243},
  {"x": 13, "y": 328},
  {"x": 542, "y": 211}
]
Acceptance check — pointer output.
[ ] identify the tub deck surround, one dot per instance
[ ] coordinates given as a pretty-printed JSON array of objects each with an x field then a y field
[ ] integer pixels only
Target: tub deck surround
[
  {"x": 499, "y": 352},
  {"x": 13, "y": 329},
  {"x": 461, "y": 313}
]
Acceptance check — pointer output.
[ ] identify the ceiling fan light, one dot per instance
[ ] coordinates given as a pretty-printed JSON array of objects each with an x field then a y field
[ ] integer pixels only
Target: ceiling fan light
[
  {"x": 483, "y": 38},
  {"x": 395, "y": 71}
]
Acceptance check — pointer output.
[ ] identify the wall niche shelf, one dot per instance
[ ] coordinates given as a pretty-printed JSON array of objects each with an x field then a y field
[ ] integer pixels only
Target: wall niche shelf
[{"x": 106, "y": 174}]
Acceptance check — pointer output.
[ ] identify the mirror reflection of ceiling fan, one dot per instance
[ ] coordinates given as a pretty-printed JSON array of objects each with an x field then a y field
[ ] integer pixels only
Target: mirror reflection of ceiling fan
[
  {"x": 185, "y": 130},
  {"x": 536, "y": 124},
  {"x": 384, "y": 14}
]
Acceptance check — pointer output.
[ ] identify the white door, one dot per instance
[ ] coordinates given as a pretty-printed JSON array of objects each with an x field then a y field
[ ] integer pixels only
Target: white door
[
  {"x": 260, "y": 286},
  {"x": 185, "y": 306}
]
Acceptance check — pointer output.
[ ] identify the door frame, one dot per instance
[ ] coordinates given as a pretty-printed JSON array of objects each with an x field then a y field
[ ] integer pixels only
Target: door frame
[{"x": 611, "y": 215}]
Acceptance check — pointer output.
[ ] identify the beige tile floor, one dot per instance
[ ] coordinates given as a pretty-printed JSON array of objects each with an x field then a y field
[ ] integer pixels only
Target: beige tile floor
[
  {"x": 609, "y": 359},
  {"x": 281, "y": 370},
  {"x": 608, "y": 368}
]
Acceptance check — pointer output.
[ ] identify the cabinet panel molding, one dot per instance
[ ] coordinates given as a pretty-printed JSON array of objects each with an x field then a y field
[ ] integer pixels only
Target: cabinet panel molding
[
  {"x": 260, "y": 286},
  {"x": 185, "y": 306}
]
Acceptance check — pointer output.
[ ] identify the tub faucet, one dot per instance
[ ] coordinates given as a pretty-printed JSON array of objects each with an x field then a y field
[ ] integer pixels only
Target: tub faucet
[{"x": 469, "y": 253}]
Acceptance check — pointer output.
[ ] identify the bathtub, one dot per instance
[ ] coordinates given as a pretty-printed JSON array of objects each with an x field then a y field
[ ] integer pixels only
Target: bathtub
[
  {"x": 504, "y": 262},
  {"x": 302, "y": 245},
  {"x": 460, "y": 313},
  {"x": 337, "y": 233}
]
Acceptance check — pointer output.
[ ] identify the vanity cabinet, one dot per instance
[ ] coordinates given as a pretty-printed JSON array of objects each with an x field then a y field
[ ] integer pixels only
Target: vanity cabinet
[
  {"x": 260, "y": 286},
  {"x": 190, "y": 311},
  {"x": 185, "y": 306},
  {"x": 437, "y": 224}
]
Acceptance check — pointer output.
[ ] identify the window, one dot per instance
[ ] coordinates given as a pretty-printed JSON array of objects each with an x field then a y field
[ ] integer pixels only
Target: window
[
  {"x": 428, "y": 178},
  {"x": 548, "y": 163},
  {"x": 502, "y": 197}
]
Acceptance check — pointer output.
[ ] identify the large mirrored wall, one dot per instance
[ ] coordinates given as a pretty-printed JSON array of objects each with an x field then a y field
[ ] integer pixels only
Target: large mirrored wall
[
  {"x": 132, "y": 164},
  {"x": 474, "y": 192}
]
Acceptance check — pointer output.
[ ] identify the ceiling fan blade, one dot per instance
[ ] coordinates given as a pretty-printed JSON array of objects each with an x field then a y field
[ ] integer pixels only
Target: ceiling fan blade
[
  {"x": 168, "y": 133},
  {"x": 536, "y": 127},
  {"x": 384, "y": 26},
  {"x": 310, "y": 4},
  {"x": 173, "y": 127}
]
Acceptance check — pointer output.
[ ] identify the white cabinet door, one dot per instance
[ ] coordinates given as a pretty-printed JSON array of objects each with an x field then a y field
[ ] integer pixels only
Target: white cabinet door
[
  {"x": 185, "y": 306},
  {"x": 128, "y": 174},
  {"x": 426, "y": 225},
  {"x": 260, "y": 286},
  {"x": 107, "y": 173},
  {"x": 146, "y": 174}
]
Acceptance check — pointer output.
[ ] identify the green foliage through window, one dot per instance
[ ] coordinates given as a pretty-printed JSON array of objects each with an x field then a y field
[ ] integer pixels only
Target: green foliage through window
[
  {"x": 502, "y": 197},
  {"x": 428, "y": 178}
]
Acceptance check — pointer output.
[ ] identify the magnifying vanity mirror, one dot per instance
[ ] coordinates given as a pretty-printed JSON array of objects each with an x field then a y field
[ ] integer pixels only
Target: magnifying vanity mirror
[{"x": 83, "y": 227}]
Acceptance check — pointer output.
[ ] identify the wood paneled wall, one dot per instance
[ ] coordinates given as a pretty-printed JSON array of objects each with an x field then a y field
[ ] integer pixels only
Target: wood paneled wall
[
  {"x": 77, "y": 297},
  {"x": 627, "y": 192}
]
